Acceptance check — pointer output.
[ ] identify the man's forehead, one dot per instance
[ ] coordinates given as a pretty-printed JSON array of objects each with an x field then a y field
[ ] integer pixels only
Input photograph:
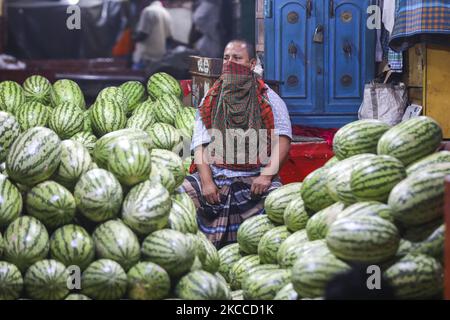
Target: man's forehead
[{"x": 236, "y": 46}]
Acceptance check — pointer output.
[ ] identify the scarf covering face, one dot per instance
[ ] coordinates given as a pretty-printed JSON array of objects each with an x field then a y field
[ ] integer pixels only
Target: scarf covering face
[{"x": 238, "y": 102}]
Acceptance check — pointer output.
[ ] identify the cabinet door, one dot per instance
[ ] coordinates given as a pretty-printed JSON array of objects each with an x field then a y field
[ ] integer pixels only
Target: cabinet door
[
  {"x": 290, "y": 56},
  {"x": 349, "y": 56}
]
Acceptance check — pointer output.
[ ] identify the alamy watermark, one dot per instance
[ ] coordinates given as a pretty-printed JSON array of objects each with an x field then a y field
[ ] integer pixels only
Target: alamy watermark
[
  {"x": 73, "y": 22},
  {"x": 374, "y": 280}
]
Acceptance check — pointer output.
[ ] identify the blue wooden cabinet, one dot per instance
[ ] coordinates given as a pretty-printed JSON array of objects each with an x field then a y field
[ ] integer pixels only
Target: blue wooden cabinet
[{"x": 323, "y": 53}]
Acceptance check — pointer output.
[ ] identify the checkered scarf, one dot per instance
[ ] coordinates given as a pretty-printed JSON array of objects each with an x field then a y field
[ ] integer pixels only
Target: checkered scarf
[{"x": 238, "y": 100}]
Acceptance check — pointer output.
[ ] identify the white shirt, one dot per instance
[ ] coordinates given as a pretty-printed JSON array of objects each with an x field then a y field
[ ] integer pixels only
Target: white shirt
[{"x": 155, "y": 21}]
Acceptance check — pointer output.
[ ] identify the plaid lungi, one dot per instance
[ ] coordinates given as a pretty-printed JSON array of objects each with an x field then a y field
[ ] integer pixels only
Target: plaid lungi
[
  {"x": 426, "y": 21},
  {"x": 220, "y": 223}
]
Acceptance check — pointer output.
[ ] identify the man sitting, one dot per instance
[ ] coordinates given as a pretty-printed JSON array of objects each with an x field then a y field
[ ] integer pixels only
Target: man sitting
[{"x": 231, "y": 184}]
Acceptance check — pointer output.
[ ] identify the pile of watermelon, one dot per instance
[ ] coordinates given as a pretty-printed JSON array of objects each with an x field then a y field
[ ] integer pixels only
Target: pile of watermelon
[
  {"x": 378, "y": 202},
  {"x": 94, "y": 193}
]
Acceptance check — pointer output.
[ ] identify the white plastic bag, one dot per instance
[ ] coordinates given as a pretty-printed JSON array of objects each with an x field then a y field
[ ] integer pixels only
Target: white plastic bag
[{"x": 385, "y": 102}]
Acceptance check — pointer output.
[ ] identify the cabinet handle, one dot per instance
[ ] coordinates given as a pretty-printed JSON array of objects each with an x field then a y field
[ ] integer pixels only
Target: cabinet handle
[
  {"x": 331, "y": 8},
  {"x": 309, "y": 5}
]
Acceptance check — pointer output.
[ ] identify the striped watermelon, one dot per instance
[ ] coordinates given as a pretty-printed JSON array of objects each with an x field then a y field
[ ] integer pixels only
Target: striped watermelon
[
  {"x": 34, "y": 156},
  {"x": 115, "y": 241},
  {"x": 11, "y": 96},
  {"x": 161, "y": 84},
  {"x": 251, "y": 231},
  {"x": 67, "y": 91},
  {"x": 46, "y": 280},
  {"x": 370, "y": 208},
  {"x": 134, "y": 93},
  {"x": 117, "y": 95},
  {"x": 9, "y": 131},
  {"x": 10, "y": 202},
  {"x": 164, "y": 176},
  {"x": 339, "y": 178},
  {"x": 87, "y": 139},
  {"x": 427, "y": 162},
  {"x": 104, "y": 145},
  {"x": 411, "y": 140},
  {"x": 11, "y": 281},
  {"x": 164, "y": 136},
  {"x": 1, "y": 245},
  {"x": 26, "y": 241},
  {"x": 146, "y": 107},
  {"x": 52, "y": 204},
  {"x": 330, "y": 163},
  {"x": 73, "y": 246},
  {"x": 287, "y": 293},
  {"x": 66, "y": 120},
  {"x": 183, "y": 218},
  {"x": 237, "y": 295},
  {"x": 421, "y": 232},
  {"x": 202, "y": 285},
  {"x": 358, "y": 137},
  {"x": 314, "y": 191},
  {"x": 373, "y": 179},
  {"x": 208, "y": 254},
  {"x": 32, "y": 114},
  {"x": 170, "y": 249},
  {"x": 363, "y": 239},
  {"x": 75, "y": 161},
  {"x": 37, "y": 88},
  {"x": 185, "y": 121},
  {"x": 98, "y": 195},
  {"x": 418, "y": 199},
  {"x": 148, "y": 281},
  {"x": 311, "y": 275},
  {"x": 303, "y": 250},
  {"x": 295, "y": 216},
  {"x": 416, "y": 277},
  {"x": 239, "y": 268},
  {"x": 104, "y": 280},
  {"x": 292, "y": 242},
  {"x": 170, "y": 160},
  {"x": 142, "y": 119},
  {"x": 130, "y": 162},
  {"x": 318, "y": 226},
  {"x": 228, "y": 256},
  {"x": 75, "y": 296},
  {"x": 433, "y": 245},
  {"x": 264, "y": 285},
  {"x": 146, "y": 208},
  {"x": 107, "y": 116},
  {"x": 166, "y": 109},
  {"x": 277, "y": 201},
  {"x": 87, "y": 123},
  {"x": 270, "y": 243}
]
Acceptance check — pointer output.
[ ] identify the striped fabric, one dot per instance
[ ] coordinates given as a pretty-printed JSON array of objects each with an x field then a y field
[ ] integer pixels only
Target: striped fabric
[
  {"x": 421, "y": 21},
  {"x": 220, "y": 223}
]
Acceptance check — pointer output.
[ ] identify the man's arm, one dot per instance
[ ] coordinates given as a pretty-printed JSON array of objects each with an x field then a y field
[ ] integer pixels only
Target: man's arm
[{"x": 209, "y": 188}]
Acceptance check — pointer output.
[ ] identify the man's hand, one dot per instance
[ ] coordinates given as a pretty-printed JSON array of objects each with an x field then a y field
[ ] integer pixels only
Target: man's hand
[
  {"x": 261, "y": 185},
  {"x": 211, "y": 193}
]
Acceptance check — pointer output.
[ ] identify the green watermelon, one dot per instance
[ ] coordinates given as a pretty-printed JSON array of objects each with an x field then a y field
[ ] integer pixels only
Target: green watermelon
[
  {"x": 107, "y": 116},
  {"x": 264, "y": 285},
  {"x": 270, "y": 243},
  {"x": 46, "y": 280},
  {"x": 115, "y": 241},
  {"x": 146, "y": 208},
  {"x": 146, "y": 107},
  {"x": 86, "y": 139},
  {"x": 330, "y": 163},
  {"x": 228, "y": 256},
  {"x": 201, "y": 285},
  {"x": 411, "y": 140},
  {"x": 427, "y": 162},
  {"x": 421, "y": 232},
  {"x": 318, "y": 226},
  {"x": 87, "y": 123},
  {"x": 251, "y": 231},
  {"x": 358, "y": 137},
  {"x": 183, "y": 218},
  {"x": 26, "y": 242},
  {"x": 277, "y": 201},
  {"x": 11, "y": 281},
  {"x": 239, "y": 268},
  {"x": 34, "y": 156},
  {"x": 32, "y": 114},
  {"x": 130, "y": 162},
  {"x": 185, "y": 121},
  {"x": 52, "y": 204},
  {"x": 170, "y": 160},
  {"x": 314, "y": 191},
  {"x": 10, "y": 202},
  {"x": 166, "y": 109},
  {"x": 292, "y": 242},
  {"x": 67, "y": 91},
  {"x": 208, "y": 254},
  {"x": 98, "y": 195},
  {"x": 66, "y": 120},
  {"x": 295, "y": 216},
  {"x": 104, "y": 280},
  {"x": 73, "y": 246},
  {"x": 301, "y": 251},
  {"x": 148, "y": 281},
  {"x": 161, "y": 84},
  {"x": 115, "y": 94},
  {"x": 287, "y": 293},
  {"x": 134, "y": 93},
  {"x": 369, "y": 208},
  {"x": 170, "y": 249},
  {"x": 37, "y": 88},
  {"x": 164, "y": 136},
  {"x": 11, "y": 96},
  {"x": 363, "y": 239},
  {"x": 9, "y": 131},
  {"x": 161, "y": 175},
  {"x": 142, "y": 119}
]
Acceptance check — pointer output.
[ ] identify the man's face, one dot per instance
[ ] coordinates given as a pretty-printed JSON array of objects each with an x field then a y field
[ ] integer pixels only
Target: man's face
[{"x": 237, "y": 52}]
